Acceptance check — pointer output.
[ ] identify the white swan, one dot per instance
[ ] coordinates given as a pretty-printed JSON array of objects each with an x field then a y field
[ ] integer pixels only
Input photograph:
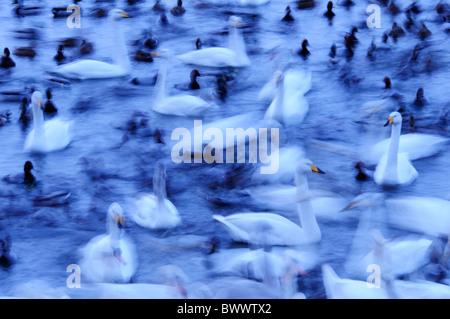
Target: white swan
[
  {"x": 46, "y": 136},
  {"x": 110, "y": 257},
  {"x": 290, "y": 106},
  {"x": 427, "y": 215},
  {"x": 250, "y": 3},
  {"x": 155, "y": 210},
  {"x": 234, "y": 56},
  {"x": 339, "y": 288},
  {"x": 93, "y": 69},
  {"x": 403, "y": 255},
  {"x": 395, "y": 168},
  {"x": 273, "y": 229},
  {"x": 181, "y": 105}
]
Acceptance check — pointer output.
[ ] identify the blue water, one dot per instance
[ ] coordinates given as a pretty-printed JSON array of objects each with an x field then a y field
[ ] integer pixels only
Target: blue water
[{"x": 47, "y": 240}]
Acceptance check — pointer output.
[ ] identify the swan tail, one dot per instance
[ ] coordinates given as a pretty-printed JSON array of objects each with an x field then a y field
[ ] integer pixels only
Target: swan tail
[
  {"x": 235, "y": 233},
  {"x": 329, "y": 279}
]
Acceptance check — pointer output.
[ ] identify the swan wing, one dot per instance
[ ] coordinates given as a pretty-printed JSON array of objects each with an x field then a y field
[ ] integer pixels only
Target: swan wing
[
  {"x": 89, "y": 69},
  {"x": 212, "y": 57},
  {"x": 182, "y": 105}
]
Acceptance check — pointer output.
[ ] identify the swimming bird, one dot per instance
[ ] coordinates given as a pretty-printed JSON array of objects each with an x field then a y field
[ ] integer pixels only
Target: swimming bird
[
  {"x": 27, "y": 178},
  {"x": 396, "y": 31},
  {"x": 86, "y": 47},
  {"x": 273, "y": 229},
  {"x": 46, "y": 136},
  {"x": 420, "y": 99},
  {"x": 92, "y": 69},
  {"x": 110, "y": 257},
  {"x": 62, "y": 12},
  {"x": 22, "y": 10},
  {"x": 59, "y": 57},
  {"x": 290, "y": 105},
  {"x": 156, "y": 211},
  {"x": 304, "y": 52},
  {"x": 6, "y": 61},
  {"x": 7, "y": 255},
  {"x": 25, "y": 51},
  {"x": 250, "y": 3},
  {"x": 424, "y": 32},
  {"x": 329, "y": 14},
  {"x": 395, "y": 168},
  {"x": 143, "y": 56},
  {"x": 181, "y": 105},
  {"x": 363, "y": 174},
  {"x": 49, "y": 107},
  {"x": 193, "y": 84},
  {"x": 288, "y": 16},
  {"x": 235, "y": 55},
  {"x": 198, "y": 44},
  {"x": 178, "y": 10}
]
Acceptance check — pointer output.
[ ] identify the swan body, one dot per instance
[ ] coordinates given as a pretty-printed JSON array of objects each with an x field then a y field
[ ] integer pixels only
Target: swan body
[
  {"x": 48, "y": 136},
  {"x": 110, "y": 257},
  {"x": 180, "y": 105},
  {"x": 273, "y": 229},
  {"x": 393, "y": 168},
  {"x": 93, "y": 69},
  {"x": 234, "y": 56},
  {"x": 155, "y": 210},
  {"x": 251, "y": 3},
  {"x": 290, "y": 106}
]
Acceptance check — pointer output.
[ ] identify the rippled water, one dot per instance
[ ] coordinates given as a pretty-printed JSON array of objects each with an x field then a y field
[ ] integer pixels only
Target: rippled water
[{"x": 47, "y": 240}]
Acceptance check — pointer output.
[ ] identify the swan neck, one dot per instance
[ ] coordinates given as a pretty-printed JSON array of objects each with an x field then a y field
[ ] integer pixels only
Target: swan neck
[
  {"x": 160, "y": 86},
  {"x": 38, "y": 119},
  {"x": 279, "y": 103},
  {"x": 393, "y": 147},
  {"x": 237, "y": 44},
  {"x": 120, "y": 50},
  {"x": 305, "y": 210}
]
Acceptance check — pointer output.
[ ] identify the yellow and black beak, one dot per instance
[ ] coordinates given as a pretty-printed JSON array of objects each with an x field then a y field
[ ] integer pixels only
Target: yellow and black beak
[
  {"x": 124, "y": 14},
  {"x": 389, "y": 121},
  {"x": 120, "y": 221},
  {"x": 315, "y": 169}
]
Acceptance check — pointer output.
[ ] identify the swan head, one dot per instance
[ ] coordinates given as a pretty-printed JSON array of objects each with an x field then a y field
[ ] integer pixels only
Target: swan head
[
  {"x": 394, "y": 118},
  {"x": 36, "y": 99},
  {"x": 305, "y": 166},
  {"x": 115, "y": 212},
  {"x": 118, "y": 14},
  {"x": 365, "y": 200},
  {"x": 235, "y": 21}
]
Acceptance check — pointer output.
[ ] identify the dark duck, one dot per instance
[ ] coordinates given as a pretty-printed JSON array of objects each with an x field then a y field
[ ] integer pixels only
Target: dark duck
[{"x": 6, "y": 61}]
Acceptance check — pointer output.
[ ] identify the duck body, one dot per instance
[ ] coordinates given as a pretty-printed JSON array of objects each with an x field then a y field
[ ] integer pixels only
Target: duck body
[{"x": 6, "y": 61}]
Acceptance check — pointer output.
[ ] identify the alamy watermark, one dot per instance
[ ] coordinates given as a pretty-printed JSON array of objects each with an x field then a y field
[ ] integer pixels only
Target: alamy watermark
[
  {"x": 374, "y": 19},
  {"x": 74, "y": 279},
  {"x": 74, "y": 20},
  {"x": 374, "y": 279},
  {"x": 191, "y": 147}
]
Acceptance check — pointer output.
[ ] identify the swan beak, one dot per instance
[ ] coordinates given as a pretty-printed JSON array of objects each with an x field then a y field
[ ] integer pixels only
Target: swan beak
[
  {"x": 389, "y": 121},
  {"x": 351, "y": 206},
  {"x": 125, "y": 15},
  {"x": 315, "y": 169},
  {"x": 119, "y": 220},
  {"x": 39, "y": 102}
]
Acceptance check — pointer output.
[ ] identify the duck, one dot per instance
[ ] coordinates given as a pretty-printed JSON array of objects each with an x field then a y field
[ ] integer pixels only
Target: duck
[
  {"x": 6, "y": 61},
  {"x": 27, "y": 178},
  {"x": 193, "y": 84},
  {"x": 25, "y": 51},
  {"x": 178, "y": 10},
  {"x": 49, "y": 107},
  {"x": 304, "y": 52},
  {"x": 395, "y": 168},
  {"x": 156, "y": 211},
  {"x": 273, "y": 229},
  {"x": 46, "y": 136},
  {"x": 290, "y": 106},
  {"x": 22, "y": 10},
  {"x": 7, "y": 255},
  {"x": 158, "y": 7},
  {"x": 305, "y": 4},
  {"x": 363, "y": 173},
  {"x": 420, "y": 99},
  {"x": 198, "y": 44},
  {"x": 143, "y": 56},
  {"x": 288, "y": 17},
  {"x": 329, "y": 14},
  {"x": 404, "y": 255},
  {"x": 59, "y": 57},
  {"x": 233, "y": 56},
  {"x": 93, "y": 69},
  {"x": 86, "y": 47},
  {"x": 180, "y": 105},
  {"x": 424, "y": 32},
  {"x": 396, "y": 32},
  {"x": 52, "y": 199},
  {"x": 63, "y": 12},
  {"x": 110, "y": 257}
]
